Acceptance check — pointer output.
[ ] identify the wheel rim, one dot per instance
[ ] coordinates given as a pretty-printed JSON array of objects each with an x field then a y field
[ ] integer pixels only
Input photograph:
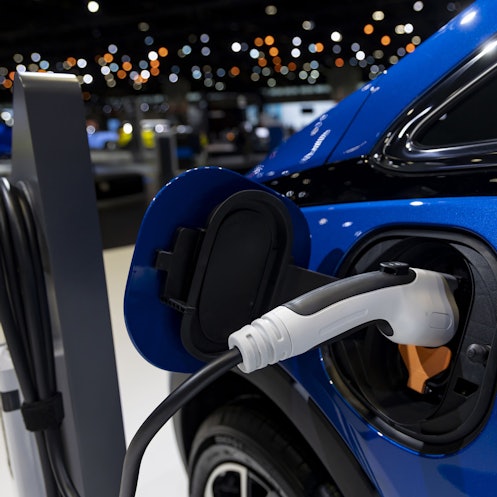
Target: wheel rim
[{"x": 232, "y": 479}]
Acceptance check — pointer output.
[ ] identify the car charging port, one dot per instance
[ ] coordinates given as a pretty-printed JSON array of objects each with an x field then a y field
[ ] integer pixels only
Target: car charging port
[{"x": 432, "y": 399}]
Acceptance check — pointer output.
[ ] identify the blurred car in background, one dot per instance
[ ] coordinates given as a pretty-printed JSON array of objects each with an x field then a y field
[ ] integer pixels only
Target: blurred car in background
[
  {"x": 5, "y": 141},
  {"x": 102, "y": 139}
]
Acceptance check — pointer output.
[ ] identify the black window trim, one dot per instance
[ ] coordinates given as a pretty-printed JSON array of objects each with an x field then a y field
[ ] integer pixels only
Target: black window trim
[{"x": 399, "y": 150}]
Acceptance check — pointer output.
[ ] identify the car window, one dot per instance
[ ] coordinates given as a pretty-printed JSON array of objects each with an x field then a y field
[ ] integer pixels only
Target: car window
[{"x": 472, "y": 119}]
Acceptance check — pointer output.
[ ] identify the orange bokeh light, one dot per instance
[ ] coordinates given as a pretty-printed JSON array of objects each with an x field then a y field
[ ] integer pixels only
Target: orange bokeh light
[
  {"x": 368, "y": 29},
  {"x": 269, "y": 40}
]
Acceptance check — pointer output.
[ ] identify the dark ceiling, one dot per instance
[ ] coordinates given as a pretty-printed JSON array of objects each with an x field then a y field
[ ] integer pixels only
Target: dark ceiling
[{"x": 59, "y": 29}]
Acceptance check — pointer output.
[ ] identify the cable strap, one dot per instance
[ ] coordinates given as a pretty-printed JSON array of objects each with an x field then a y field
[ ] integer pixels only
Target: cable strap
[{"x": 43, "y": 414}]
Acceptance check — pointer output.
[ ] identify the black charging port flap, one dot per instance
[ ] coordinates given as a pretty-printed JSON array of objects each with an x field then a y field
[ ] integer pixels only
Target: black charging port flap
[
  {"x": 246, "y": 245},
  {"x": 233, "y": 271}
]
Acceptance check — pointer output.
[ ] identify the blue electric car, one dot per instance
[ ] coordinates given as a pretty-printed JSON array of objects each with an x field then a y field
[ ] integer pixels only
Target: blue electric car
[{"x": 403, "y": 170}]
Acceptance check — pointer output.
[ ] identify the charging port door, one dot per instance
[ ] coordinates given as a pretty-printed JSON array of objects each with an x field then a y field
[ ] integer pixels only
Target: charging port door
[{"x": 215, "y": 250}]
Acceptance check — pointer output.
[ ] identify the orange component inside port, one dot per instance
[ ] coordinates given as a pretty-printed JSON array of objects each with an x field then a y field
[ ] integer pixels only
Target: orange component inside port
[{"x": 423, "y": 363}]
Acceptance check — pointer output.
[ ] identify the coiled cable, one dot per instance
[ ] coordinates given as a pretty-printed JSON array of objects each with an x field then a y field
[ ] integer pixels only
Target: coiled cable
[{"x": 24, "y": 315}]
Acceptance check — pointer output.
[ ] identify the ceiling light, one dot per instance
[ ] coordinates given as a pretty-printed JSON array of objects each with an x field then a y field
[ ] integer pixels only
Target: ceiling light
[{"x": 93, "y": 7}]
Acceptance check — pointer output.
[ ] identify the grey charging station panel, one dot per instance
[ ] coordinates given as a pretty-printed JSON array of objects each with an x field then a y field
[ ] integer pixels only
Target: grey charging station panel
[{"x": 51, "y": 156}]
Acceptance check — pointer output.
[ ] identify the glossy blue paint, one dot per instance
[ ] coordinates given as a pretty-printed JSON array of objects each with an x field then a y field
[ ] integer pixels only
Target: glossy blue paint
[
  {"x": 186, "y": 201},
  {"x": 394, "y": 470},
  {"x": 312, "y": 145}
]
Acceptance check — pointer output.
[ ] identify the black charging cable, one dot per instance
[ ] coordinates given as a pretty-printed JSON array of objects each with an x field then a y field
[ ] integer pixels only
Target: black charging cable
[
  {"x": 24, "y": 315},
  {"x": 165, "y": 410}
]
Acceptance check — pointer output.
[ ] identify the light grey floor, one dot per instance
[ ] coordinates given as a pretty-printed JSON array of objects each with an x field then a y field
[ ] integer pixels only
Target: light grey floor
[{"x": 142, "y": 388}]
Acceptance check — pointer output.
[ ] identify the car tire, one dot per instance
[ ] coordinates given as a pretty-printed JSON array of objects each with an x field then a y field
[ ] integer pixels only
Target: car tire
[{"x": 238, "y": 451}]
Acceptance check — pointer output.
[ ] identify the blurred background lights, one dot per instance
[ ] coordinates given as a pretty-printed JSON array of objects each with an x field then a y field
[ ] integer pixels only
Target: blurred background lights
[
  {"x": 308, "y": 25},
  {"x": 135, "y": 56},
  {"x": 93, "y": 7},
  {"x": 378, "y": 15},
  {"x": 368, "y": 29},
  {"x": 271, "y": 10}
]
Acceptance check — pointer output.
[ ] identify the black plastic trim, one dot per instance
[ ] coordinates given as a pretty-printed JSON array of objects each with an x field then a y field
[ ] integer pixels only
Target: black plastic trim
[
  {"x": 356, "y": 180},
  {"x": 400, "y": 150},
  {"x": 339, "y": 290}
]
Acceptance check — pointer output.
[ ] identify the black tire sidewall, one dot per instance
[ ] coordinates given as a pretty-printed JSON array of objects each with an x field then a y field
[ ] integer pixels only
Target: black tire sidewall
[{"x": 247, "y": 438}]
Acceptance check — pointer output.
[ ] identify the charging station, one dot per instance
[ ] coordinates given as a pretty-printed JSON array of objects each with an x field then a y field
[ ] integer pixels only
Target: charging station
[{"x": 60, "y": 184}]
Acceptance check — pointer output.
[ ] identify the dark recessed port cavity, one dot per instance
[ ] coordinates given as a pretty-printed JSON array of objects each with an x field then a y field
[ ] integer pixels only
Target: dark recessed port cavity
[{"x": 369, "y": 370}]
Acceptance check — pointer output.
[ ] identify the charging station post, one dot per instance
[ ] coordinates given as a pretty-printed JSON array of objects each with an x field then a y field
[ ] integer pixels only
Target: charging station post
[{"x": 51, "y": 158}]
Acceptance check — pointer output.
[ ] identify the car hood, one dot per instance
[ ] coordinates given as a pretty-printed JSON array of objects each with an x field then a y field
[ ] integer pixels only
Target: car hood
[{"x": 311, "y": 146}]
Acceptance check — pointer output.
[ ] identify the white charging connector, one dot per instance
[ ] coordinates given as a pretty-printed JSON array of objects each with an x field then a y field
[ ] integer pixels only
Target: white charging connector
[{"x": 409, "y": 306}]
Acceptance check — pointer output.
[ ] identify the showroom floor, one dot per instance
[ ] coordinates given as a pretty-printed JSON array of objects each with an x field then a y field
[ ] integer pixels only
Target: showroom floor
[{"x": 142, "y": 388}]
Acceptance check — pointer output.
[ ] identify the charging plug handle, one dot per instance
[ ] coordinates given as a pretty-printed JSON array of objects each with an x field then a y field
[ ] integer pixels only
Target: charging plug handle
[{"x": 409, "y": 306}]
